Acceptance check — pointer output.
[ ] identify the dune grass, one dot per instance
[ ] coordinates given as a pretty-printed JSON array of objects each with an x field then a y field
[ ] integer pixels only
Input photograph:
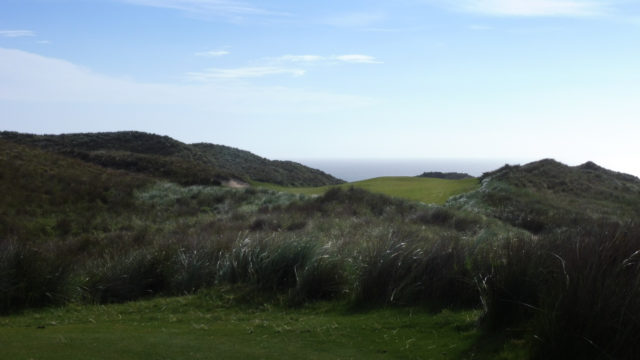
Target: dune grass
[
  {"x": 206, "y": 326},
  {"x": 427, "y": 190}
]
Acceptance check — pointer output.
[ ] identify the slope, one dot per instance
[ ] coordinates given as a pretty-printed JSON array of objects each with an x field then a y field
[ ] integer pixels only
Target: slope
[
  {"x": 44, "y": 195},
  {"x": 547, "y": 195},
  {"x": 248, "y": 165},
  {"x": 165, "y": 158}
]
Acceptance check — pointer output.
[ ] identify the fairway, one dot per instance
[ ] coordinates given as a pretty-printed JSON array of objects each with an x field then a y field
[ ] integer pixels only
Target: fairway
[
  {"x": 426, "y": 190},
  {"x": 196, "y": 328}
]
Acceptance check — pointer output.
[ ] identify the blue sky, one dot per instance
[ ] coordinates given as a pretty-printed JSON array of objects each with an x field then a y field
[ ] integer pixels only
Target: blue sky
[{"x": 506, "y": 79}]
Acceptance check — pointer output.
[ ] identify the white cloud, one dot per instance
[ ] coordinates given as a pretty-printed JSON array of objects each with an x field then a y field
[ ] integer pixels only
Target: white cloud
[
  {"x": 225, "y": 8},
  {"x": 349, "y": 58},
  {"x": 213, "y": 53},
  {"x": 572, "y": 8},
  {"x": 29, "y": 78},
  {"x": 16, "y": 33},
  {"x": 243, "y": 72},
  {"x": 358, "y": 59},
  {"x": 278, "y": 66}
]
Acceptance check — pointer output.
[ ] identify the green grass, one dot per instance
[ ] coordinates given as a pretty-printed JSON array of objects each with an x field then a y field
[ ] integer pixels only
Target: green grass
[
  {"x": 205, "y": 327},
  {"x": 427, "y": 190},
  {"x": 165, "y": 158}
]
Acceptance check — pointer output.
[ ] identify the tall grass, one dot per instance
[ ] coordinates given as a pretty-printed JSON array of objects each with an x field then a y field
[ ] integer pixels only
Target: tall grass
[
  {"x": 32, "y": 276},
  {"x": 404, "y": 269},
  {"x": 575, "y": 293},
  {"x": 187, "y": 238},
  {"x": 571, "y": 293}
]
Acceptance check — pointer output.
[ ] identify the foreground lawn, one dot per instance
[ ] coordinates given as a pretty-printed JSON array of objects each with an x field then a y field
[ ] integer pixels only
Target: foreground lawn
[
  {"x": 196, "y": 327},
  {"x": 427, "y": 190}
]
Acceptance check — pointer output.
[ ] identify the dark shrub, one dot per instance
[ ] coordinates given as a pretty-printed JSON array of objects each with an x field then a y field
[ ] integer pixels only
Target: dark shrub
[
  {"x": 441, "y": 216},
  {"x": 31, "y": 277},
  {"x": 264, "y": 224},
  {"x": 295, "y": 225},
  {"x": 268, "y": 264},
  {"x": 507, "y": 282},
  {"x": 193, "y": 269},
  {"x": 125, "y": 277},
  {"x": 323, "y": 278},
  {"x": 575, "y": 293},
  {"x": 400, "y": 270},
  {"x": 590, "y": 306}
]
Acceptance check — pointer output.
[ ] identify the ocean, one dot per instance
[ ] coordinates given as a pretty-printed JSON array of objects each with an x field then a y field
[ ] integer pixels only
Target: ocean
[{"x": 360, "y": 169}]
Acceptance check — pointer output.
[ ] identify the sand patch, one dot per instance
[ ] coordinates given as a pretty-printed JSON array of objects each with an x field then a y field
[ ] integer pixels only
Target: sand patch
[{"x": 236, "y": 184}]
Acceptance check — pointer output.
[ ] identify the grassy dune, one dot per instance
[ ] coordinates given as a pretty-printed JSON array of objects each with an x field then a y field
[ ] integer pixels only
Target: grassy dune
[
  {"x": 427, "y": 190},
  {"x": 548, "y": 252}
]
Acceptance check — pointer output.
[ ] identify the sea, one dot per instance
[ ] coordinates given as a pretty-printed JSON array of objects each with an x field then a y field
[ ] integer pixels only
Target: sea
[{"x": 361, "y": 169}]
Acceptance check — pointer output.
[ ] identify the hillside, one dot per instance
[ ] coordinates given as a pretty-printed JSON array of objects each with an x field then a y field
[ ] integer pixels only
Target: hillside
[
  {"x": 165, "y": 158},
  {"x": 247, "y": 165},
  {"x": 445, "y": 175},
  {"x": 44, "y": 195},
  {"x": 546, "y": 194},
  {"x": 79, "y": 234}
]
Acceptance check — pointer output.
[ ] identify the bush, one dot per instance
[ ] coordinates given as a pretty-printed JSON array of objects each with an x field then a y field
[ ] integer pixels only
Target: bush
[
  {"x": 32, "y": 277},
  {"x": 193, "y": 269},
  {"x": 506, "y": 279},
  {"x": 590, "y": 306},
  {"x": 575, "y": 293},
  {"x": 324, "y": 277},
  {"x": 124, "y": 277},
  {"x": 402, "y": 270},
  {"x": 268, "y": 264}
]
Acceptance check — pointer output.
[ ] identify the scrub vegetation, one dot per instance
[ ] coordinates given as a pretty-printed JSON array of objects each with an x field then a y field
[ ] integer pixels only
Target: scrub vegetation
[
  {"x": 538, "y": 261},
  {"x": 169, "y": 159}
]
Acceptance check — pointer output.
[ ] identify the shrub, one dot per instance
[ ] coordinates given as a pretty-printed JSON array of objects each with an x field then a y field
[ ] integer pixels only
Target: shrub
[
  {"x": 575, "y": 293},
  {"x": 402, "y": 270},
  {"x": 590, "y": 306},
  {"x": 323, "y": 277},
  {"x": 506, "y": 279},
  {"x": 124, "y": 277},
  {"x": 193, "y": 269},
  {"x": 31, "y": 277}
]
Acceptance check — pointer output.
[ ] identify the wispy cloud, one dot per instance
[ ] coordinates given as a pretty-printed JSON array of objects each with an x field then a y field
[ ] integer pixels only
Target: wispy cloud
[
  {"x": 213, "y": 53},
  {"x": 30, "y": 78},
  {"x": 232, "y": 9},
  {"x": 567, "y": 8},
  {"x": 358, "y": 59},
  {"x": 348, "y": 58},
  {"x": 16, "y": 33},
  {"x": 243, "y": 73},
  {"x": 290, "y": 65}
]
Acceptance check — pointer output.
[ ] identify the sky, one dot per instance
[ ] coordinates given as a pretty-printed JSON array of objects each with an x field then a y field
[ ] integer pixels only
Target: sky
[{"x": 376, "y": 79}]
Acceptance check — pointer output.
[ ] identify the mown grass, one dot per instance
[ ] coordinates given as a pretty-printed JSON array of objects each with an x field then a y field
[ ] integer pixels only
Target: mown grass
[
  {"x": 213, "y": 325},
  {"x": 426, "y": 190}
]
